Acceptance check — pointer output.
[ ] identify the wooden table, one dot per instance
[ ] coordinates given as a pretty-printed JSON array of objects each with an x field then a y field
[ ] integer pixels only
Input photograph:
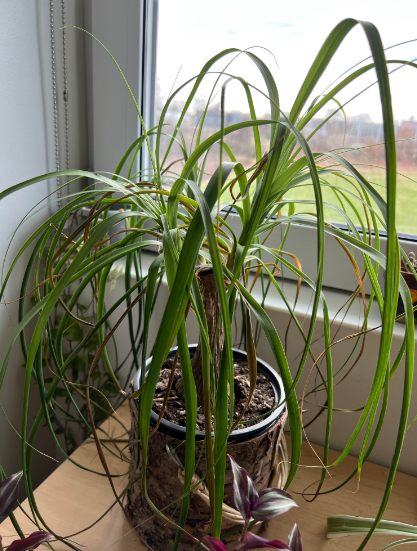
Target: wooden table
[{"x": 71, "y": 499}]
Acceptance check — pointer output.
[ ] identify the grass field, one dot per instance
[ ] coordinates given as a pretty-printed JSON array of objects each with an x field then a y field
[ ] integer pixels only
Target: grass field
[{"x": 406, "y": 201}]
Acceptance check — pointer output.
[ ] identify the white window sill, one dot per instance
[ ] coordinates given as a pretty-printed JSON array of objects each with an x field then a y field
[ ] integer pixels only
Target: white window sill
[{"x": 335, "y": 298}]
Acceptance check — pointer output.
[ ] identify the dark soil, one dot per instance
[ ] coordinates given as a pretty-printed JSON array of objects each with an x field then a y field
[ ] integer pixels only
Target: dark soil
[{"x": 262, "y": 402}]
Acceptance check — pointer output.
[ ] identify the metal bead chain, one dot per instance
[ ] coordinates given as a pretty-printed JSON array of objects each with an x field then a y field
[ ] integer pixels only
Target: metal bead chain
[
  {"x": 55, "y": 98},
  {"x": 65, "y": 95}
]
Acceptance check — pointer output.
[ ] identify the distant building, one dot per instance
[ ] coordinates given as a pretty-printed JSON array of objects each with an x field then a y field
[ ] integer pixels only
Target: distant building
[{"x": 407, "y": 129}]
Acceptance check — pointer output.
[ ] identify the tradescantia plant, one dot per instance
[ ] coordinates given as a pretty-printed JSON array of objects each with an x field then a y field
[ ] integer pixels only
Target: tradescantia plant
[
  {"x": 252, "y": 541},
  {"x": 187, "y": 220},
  {"x": 31, "y": 542},
  {"x": 265, "y": 506},
  {"x": 8, "y": 500},
  {"x": 9, "y": 489},
  {"x": 262, "y": 506}
]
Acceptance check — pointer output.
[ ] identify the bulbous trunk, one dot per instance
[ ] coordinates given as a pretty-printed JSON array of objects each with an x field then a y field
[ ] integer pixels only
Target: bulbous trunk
[{"x": 210, "y": 297}]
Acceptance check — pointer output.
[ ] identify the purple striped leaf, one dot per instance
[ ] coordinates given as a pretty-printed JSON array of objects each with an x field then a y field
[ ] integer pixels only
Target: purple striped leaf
[
  {"x": 244, "y": 491},
  {"x": 251, "y": 541},
  {"x": 31, "y": 542},
  {"x": 271, "y": 503},
  {"x": 9, "y": 490},
  {"x": 214, "y": 544},
  {"x": 294, "y": 539}
]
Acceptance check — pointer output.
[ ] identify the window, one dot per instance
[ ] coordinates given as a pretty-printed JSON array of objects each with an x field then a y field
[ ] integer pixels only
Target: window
[
  {"x": 201, "y": 33},
  {"x": 188, "y": 33}
]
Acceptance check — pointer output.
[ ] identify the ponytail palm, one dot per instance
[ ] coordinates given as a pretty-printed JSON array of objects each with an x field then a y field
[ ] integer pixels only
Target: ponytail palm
[{"x": 188, "y": 222}]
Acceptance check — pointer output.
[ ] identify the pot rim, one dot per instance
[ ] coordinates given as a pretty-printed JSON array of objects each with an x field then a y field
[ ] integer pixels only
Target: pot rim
[{"x": 238, "y": 435}]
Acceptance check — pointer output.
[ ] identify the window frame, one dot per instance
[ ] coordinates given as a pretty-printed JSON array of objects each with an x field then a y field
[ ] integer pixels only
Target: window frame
[{"x": 128, "y": 29}]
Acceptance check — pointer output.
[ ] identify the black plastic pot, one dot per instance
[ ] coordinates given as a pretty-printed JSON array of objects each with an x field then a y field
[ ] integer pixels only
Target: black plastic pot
[{"x": 241, "y": 435}]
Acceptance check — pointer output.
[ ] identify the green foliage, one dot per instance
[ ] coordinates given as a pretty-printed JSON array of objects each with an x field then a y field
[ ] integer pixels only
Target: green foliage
[
  {"x": 343, "y": 525},
  {"x": 187, "y": 221}
]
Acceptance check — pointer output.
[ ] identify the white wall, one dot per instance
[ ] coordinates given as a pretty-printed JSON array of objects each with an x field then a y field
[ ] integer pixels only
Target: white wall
[
  {"x": 26, "y": 150},
  {"x": 353, "y": 392}
]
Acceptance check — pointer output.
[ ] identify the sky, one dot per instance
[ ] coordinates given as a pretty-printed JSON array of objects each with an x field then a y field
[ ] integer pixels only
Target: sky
[{"x": 191, "y": 31}]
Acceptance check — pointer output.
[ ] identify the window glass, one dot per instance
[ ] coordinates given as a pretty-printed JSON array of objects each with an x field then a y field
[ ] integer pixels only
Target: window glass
[{"x": 288, "y": 37}]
